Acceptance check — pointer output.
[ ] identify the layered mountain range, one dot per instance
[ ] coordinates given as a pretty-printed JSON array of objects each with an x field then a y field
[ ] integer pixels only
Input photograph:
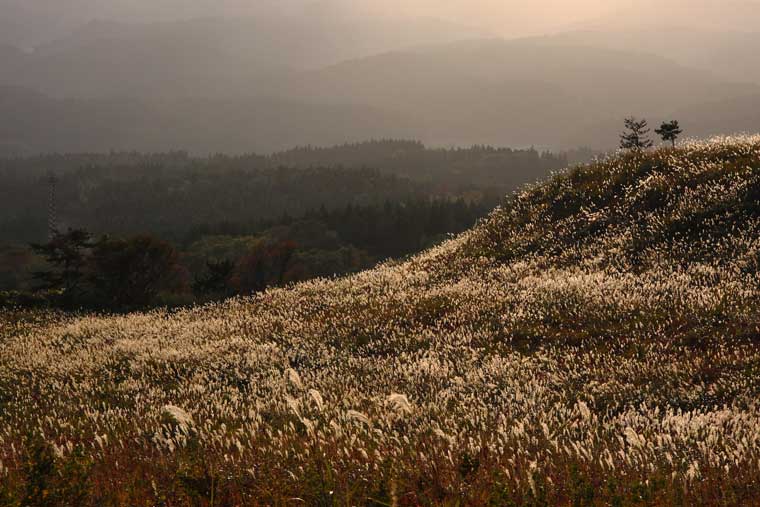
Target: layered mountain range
[{"x": 281, "y": 78}]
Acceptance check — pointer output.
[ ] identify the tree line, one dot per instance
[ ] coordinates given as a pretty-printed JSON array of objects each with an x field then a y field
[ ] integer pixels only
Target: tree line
[
  {"x": 170, "y": 194},
  {"x": 140, "y": 230},
  {"x": 77, "y": 269}
]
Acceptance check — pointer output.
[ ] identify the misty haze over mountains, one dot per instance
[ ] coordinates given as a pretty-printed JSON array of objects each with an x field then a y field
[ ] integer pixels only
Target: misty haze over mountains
[{"x": 236, "y": 78}]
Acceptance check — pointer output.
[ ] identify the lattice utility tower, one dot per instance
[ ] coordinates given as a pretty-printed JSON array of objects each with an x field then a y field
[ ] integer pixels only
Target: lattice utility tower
[{"x": 52, "y": 211}]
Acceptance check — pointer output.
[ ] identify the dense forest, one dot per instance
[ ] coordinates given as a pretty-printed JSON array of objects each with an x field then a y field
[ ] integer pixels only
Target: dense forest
[
  {"x": 224, "y": 225},
  {"x": 169, "y": 194}
]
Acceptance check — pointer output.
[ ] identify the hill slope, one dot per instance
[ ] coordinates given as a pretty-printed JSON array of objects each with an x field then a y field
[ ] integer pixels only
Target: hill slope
[{"x": 595, "y": 340}]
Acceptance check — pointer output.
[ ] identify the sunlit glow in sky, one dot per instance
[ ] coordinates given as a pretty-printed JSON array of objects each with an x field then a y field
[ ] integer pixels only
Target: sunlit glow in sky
[{"x": 495, "y": 17}]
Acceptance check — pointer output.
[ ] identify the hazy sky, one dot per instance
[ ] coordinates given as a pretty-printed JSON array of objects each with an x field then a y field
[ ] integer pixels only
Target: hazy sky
[
  {"x": 490, "y": 12},
  {"x": 37, "y": 19},
  {"x": 500, "y": 15},
  {"x": 517, "y": 17}
]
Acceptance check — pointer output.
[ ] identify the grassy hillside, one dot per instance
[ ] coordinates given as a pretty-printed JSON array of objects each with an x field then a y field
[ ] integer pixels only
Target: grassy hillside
[{"x": 594, "y": 342}]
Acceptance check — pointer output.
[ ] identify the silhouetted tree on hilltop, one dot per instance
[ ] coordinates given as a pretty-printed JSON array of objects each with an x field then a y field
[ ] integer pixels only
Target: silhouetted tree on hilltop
[
  {"x": 635, "y": 137},
  {"x": 669, "y": 131}
]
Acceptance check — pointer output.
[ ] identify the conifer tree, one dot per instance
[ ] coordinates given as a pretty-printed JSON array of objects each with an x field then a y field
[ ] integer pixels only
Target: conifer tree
[
  {"x": 669, "y": 132},
  {"x": 67, "y": 255},
  {"x": 635, "y": 137}
]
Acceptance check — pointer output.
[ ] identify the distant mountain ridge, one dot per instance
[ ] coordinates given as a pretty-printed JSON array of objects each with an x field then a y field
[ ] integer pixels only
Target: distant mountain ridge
[
  {"x": 210, "y": 57},
  {"x": 32, "y": 123},
  {"x": 212, "y": 84},
  {"x": 521, "y": 92},
  {"x": 514, "y": 93},
  {"x": 725, "y": 53}
]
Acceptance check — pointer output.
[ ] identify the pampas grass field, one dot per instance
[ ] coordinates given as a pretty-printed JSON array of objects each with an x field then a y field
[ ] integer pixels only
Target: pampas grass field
[{"x": 593, "y": 342}]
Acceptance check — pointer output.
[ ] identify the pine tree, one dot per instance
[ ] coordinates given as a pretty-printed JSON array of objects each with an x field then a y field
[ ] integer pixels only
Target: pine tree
[
  {"x": 67, "y": 254},
  {"x": 669, "y": 131},
  {"x": 635, "y": 138}
]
